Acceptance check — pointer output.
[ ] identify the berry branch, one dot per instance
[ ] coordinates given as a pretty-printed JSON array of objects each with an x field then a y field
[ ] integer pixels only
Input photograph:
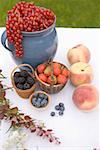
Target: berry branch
[{"x": 20, "y": 120}]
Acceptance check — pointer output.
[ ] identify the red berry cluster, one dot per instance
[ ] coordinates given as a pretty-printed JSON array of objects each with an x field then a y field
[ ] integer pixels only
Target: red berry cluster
[{"x": 27, "y": 17}]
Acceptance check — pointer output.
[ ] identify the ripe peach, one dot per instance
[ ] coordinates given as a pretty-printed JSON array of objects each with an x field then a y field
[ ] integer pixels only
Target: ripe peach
[
  {"x": 61, "y": 79},
  {"x": 41, "y": 68},
  {"x": 43, "y": 77},
  {"x": 56, "y": 71},
  {"x": 65, "y": 72},
  {"x": 78, "y": 53},
  {"x": 86, "y": 97},
  {"x": 52, "y": 79},
  {"x": 81, "y": 73}
]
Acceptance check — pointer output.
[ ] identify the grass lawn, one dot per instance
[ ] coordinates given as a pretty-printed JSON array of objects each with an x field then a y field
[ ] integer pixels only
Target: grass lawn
[{"x": 70, "y": 13}]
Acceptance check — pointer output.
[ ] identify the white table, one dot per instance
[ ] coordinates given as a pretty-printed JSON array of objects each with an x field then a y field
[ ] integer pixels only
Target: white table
[{"x": 76, "y": 130}]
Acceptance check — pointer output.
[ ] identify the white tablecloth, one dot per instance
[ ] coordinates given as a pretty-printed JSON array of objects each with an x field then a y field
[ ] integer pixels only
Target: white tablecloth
[{"x": 77, "y": 130}]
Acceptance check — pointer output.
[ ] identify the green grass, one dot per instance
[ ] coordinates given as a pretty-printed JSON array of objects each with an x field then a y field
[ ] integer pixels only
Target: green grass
[{"x": 70, "y": 13}]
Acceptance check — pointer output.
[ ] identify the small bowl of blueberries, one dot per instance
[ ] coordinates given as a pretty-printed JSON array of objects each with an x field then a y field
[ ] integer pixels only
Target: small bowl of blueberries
[{"x": 40, "y": 100}]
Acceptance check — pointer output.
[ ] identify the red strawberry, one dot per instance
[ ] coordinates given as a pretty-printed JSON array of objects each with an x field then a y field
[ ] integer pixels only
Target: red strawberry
[
  {"x": 56, "y": 71},
  {"x": 41, "y": 68},
  {"x": 43, "y": 77},
  {"x": 65, "y": 72},
  {"x": 61, "y": 79},
  {"x": 56, "y": 65}
]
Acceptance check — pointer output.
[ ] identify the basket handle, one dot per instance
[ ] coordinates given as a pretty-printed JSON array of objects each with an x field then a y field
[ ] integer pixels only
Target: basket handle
[{"x": 22, "y": 65}]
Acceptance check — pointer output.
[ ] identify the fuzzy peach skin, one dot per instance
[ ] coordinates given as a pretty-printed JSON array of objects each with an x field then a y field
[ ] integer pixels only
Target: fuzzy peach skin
[
  {"x": 86, "y": 97},
  {"x": 78, "y": 53},
  {"x": 81, "y": 73}
]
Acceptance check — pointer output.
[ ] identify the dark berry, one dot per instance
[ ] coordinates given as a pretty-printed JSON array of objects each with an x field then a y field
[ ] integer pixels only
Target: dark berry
[
  {"x": 41, "y": 95},
  {"x": 62, "y": 108},
  {"x": 16, "y": 80},
  {"x": 39, "y": 100},
  {"x": 61, "y": 104},
  {"x": 21, "y": 80},
  {"x": 61, "y": 113},
  {"x": 30, "y": 80},
  {"x": 26, "y": 86},
  {"x": 17, "y": 74},
  {"x": 20, "y": 86},
  {"x": 57, "y": 107},
  {"x": 44, "y": 102},
  {"x": 52, "y": 113},
  {"x": 24, "y": 73}
]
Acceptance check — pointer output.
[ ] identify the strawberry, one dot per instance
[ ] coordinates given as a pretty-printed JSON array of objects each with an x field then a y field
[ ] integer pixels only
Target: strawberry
[
  {"x": 61, "y": 79},
  {"x": 41, "y": 68},
  {"x": 56, "y": 71},
  {"x": 56, "y": 65},
  {"x": 65, "y": 72},
  {"x": 43, "y": 77}
]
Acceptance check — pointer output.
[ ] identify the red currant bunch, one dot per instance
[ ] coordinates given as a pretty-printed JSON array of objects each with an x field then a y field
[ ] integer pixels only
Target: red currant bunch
[{"x": 27, "y": 17}]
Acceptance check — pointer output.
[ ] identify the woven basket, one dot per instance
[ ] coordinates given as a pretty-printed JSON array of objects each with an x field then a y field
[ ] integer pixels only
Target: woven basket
[
  {"x": 42, "y": 108},
  {"x": 23, "y": 93},
  {"x": 51, "y": 89}
]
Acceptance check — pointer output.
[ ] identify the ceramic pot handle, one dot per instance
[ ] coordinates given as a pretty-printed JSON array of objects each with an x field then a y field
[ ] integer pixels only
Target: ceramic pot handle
[{"x": 3, "y": 40}]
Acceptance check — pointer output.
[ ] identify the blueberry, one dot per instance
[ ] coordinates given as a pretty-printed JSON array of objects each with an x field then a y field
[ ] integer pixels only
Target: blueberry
[
  {"x": 62, "y": 108},
  {"x": 57, "y": 107},
  {"x": 34, "y": 100},
  {"x": 38, "y": 104},
  {"x": 24, "y": 73},
  {"x": 61, "y": 113},
  {"x": 61, "y": 104},
  {"x": 52, "y": 113},
  {"x": 30, "y": 80},
  {"x": 44, "y": 102},
  {"x": 20, "y": 86},
  {"x": 39, "y": 100},
  {"x": 17, "y": 74},
  {"x": 26, "y": 86},
  {"x": 45, "y": 96},
  {"x": 36, "y": 95},
  {"x": 41, "y": 95}
]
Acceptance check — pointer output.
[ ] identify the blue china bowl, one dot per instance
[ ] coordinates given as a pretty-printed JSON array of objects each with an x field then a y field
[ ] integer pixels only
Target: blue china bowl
[{"x": 39, "y": 46}]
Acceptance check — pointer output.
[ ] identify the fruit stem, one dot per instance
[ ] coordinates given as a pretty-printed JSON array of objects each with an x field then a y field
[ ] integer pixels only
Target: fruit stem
[{"x": 2, "y": 76}]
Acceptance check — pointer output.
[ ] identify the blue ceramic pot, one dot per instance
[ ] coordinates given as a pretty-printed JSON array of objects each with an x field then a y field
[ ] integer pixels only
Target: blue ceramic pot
[{"x": 38, "y": 46}]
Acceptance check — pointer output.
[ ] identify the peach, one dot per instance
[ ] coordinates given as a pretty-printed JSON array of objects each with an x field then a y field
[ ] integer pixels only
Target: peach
[
  {"x": 78, "y": 53},
  {"x": 81, "y": 73},
  {"x": 86, "y": 97}
]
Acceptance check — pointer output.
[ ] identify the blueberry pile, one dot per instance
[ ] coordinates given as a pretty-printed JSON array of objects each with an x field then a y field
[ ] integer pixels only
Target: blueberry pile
[
  {"x": 23, "y": 80},
  {"x": 40, "y": 100},
  {"x": 60, "y": 108}
]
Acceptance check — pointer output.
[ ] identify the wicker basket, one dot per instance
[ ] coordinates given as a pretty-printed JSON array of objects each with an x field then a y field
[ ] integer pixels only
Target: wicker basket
[
  {"x": 23, "y": 93},
  {"x": 51, "y": 89},
  {"x": 42, "y": 108}
]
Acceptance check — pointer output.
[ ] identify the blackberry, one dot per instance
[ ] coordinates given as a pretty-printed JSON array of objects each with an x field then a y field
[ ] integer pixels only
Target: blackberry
[
  {"x": 17, "y": 74},
  {"x": 21, "y": 80},
  {"x": 30, "y": 80},
  {"x": 16, "y": 79},
  {"x": 24, "y": 73},
  {"x": 26, "y": 86},
  {"x": 20, "y": 86}
]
